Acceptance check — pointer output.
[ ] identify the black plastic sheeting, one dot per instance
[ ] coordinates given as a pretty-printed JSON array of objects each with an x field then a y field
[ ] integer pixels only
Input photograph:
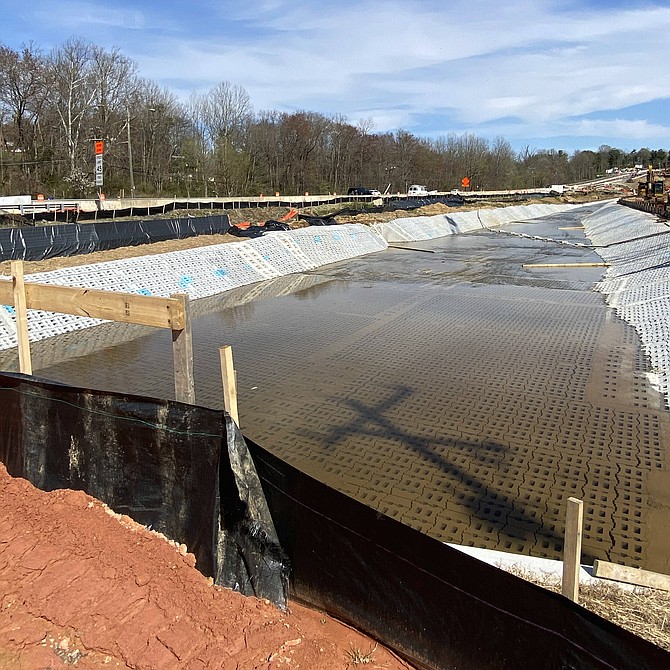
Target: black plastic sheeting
[
  {"x": 187, "y": 472},
  {"x": 41, "y": 242},
  {"x": 179, "y": 469},
  {"x": 415, "y": 203},
  {"x": 436, "y": 606},
  {"x": 319, "y": 220},
  {"x": 247, "y": 231},
  {"x": 259, "y": 230}
]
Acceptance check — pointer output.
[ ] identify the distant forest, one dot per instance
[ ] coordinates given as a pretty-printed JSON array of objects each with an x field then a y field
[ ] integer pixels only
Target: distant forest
[{"x": 54, "y": 106}]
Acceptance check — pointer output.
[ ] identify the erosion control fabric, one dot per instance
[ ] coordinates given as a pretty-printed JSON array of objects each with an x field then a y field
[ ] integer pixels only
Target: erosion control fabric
[
  {"x": 178, "y": 469},
  {"x": 40, "y": 242}
]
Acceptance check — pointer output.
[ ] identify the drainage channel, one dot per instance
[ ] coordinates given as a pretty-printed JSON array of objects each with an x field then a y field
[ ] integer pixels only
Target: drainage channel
[{"x": 454, "y": 390}]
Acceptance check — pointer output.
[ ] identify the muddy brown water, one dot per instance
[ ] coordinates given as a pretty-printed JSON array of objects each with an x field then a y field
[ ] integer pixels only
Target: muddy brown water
[{"x": 450, "y": 388}]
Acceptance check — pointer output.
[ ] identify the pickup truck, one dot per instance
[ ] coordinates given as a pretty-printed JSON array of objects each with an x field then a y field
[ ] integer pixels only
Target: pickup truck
[{"x": 417, "y": 189}]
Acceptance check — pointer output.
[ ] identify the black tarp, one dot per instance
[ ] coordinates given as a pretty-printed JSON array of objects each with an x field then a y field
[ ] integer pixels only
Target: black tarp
[
  {"x": 70, "y": 239},
  {"x": 188, "y": 472},
  {"x": 179, "y": 469},
  {"x": 318, "y": 220},
  {"x": 433, "y": 604}
]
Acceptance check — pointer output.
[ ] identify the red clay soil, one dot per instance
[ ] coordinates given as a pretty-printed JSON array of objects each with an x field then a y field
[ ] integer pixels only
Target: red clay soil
[{"x": 83, "y": 587}]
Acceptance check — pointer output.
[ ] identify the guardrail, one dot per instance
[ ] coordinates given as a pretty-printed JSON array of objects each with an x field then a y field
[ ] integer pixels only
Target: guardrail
[{"x": 55, "y": 206}]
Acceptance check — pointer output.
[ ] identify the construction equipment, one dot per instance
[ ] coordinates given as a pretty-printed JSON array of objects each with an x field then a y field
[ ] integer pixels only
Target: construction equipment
[
  {"x": 651, "y": 196},
  {"x": 652, "y": 188}
]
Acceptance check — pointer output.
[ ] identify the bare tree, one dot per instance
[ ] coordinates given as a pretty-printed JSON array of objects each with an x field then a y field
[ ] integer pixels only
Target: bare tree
[
  {"x": 161, "y": 128},
  {"x": 262, "y": 145},
  {"x": 74, "y": 89},
  {"x": 583, "y": 165},
  {"x": 225, "y": 112},
  {"x": 501, "y": 166},
  {"x": 300, "y": 135},
  {"x": 116, "y": 84},
  {"x": 22, "y": 92}
]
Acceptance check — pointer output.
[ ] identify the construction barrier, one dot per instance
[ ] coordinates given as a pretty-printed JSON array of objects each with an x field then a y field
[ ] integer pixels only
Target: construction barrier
[
  {"x": 39, "y": 242},
  {"x": 181, "y": 470}
]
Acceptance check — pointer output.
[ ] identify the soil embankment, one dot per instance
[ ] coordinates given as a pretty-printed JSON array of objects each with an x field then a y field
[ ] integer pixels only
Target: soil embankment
[{"x": 85, "y": 587}]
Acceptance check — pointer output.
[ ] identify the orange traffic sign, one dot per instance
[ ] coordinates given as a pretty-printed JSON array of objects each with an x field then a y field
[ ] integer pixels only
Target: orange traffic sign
[
  {"x": 99, "y": 147},
  {"x": 465, "y": 182}
]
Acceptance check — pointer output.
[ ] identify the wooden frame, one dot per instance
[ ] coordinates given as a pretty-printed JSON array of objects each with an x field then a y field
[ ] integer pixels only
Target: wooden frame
[{"x": 172, "y": 313}]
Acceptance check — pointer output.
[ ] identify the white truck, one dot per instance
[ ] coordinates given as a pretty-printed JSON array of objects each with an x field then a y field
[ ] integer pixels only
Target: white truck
[{"x": 417, "y": 189}]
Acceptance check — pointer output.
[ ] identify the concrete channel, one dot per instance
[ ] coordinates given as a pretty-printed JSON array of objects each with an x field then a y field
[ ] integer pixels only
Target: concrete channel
[{"x": 441, "y": 382}]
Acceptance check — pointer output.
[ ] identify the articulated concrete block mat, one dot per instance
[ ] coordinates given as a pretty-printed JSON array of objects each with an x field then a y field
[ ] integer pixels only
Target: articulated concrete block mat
[
  {"x": 430, "y": 227},
  {"x": 637, "y": 283}
]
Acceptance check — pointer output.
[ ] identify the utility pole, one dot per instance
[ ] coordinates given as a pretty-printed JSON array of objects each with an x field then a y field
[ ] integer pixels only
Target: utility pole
[{"x": 130, "y": 155}]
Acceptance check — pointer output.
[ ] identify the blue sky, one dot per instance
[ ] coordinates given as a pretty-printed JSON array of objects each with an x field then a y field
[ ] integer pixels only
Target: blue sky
[{"x": 543, "y": 74}]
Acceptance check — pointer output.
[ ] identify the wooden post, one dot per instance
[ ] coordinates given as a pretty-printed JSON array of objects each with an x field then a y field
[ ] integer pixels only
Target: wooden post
[
  {"x": 21, "y": 310},
  {"x": 229, "y": 380},
  {"x": 572, "y": 549},
  {"x": 182, "y": 353}
]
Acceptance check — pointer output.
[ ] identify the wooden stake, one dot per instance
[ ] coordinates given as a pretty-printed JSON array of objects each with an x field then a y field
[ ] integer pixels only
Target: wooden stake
[
  {"x": 229, "y": 380},
  {"x": 572, "y": 550},
  {"x": 19, "y": 295},
  {"x": 182, "y": 353}
]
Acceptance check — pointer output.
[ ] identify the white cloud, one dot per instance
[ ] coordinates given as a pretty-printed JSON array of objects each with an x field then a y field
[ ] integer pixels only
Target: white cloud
[
  {"x": 639, "y": 129},
  {"x": 399, "y": 63},
  {"x": 84, "y": 18}
]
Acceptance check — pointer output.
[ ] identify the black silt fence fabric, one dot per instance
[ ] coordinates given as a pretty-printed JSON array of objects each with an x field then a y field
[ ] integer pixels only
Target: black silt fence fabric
[
  {"x": 179, "y": 469},
  {"x": 437, "y": 607},
  {"x": 187, "y": 472},
  {"x": 42, "y": 242}
]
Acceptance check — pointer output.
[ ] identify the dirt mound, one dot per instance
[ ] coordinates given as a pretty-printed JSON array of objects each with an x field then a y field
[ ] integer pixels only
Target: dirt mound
[
  {"x": 9, "y": 220},
  {"x": 85, "y": 587}
]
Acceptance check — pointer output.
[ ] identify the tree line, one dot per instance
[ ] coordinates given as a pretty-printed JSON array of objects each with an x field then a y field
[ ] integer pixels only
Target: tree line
[{"x": 54, "y": 106}]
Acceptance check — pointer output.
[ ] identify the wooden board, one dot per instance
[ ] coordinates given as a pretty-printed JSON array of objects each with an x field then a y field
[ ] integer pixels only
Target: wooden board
[
  {"x": 22, "y": 337},
  {"x": 636, "y": 576},
  {"x": 565, "y": 265},
  {"x": 110, "y": 305}
]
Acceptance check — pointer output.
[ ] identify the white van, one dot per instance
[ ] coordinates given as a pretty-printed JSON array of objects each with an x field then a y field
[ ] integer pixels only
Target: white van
[{"x": 417, "y": 189}]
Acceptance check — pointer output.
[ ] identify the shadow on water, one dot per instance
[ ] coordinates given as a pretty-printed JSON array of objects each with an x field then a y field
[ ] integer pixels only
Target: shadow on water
[{"x": 480, "y": 501}]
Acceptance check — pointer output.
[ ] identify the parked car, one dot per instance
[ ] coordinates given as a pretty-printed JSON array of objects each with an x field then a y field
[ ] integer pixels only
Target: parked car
[{"x": 358, "y": 190}]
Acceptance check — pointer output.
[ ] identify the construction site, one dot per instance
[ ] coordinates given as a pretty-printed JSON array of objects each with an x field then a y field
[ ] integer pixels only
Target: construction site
[{"x": 415, "y": 383}]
